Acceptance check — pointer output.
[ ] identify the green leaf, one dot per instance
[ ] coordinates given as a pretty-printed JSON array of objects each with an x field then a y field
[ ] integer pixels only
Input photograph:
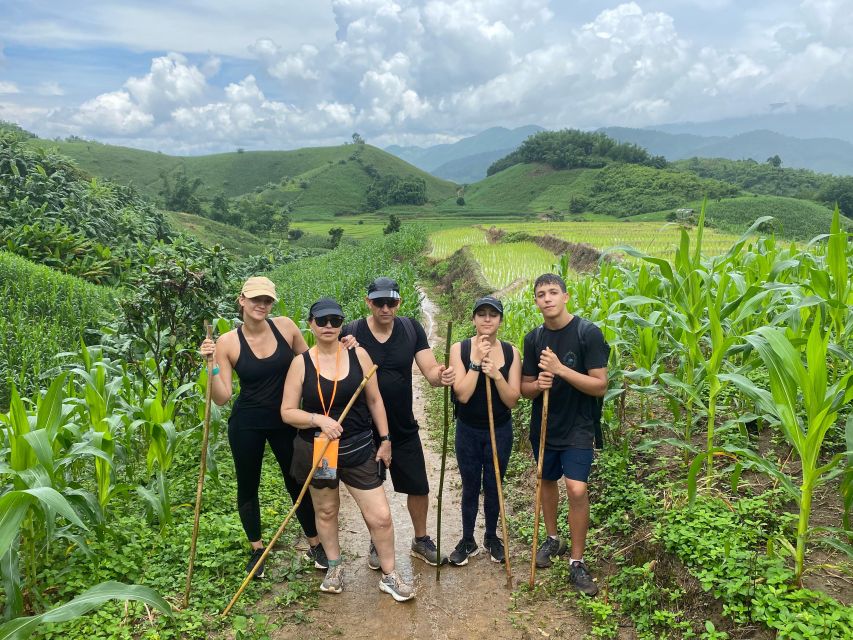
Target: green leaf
[
  {"x": 51, "y": 498},
  {"x": 49, "y": 414},
  {"x": 13, "y": 510},
  {"x": 22, "y": 628}
]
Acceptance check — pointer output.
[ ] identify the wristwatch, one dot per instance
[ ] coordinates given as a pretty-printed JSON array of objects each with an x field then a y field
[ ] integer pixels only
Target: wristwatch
[
  {"x": 385, "y": 438},
  {"x": 475, "y": 366}
]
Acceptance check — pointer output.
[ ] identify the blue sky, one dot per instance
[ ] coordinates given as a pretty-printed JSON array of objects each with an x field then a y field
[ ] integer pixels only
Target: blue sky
[{"x": 214, "y": 75}]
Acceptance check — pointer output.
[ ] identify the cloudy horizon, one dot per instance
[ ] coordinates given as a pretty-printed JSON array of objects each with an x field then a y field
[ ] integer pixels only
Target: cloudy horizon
[{"x": 200, "y": 77}]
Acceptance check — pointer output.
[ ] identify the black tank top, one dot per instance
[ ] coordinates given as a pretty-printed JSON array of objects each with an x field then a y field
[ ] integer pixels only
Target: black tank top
[
  {"x": 261, "y": 382},
  {"x": 356, "y": 444},
  {"x": 475, "y": 412}
]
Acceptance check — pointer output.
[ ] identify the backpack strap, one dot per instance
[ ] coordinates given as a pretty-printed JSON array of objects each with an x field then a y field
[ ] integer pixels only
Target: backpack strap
[
  {"x": 508, "y": 354},
  {"x": 409, "y": 328},
  {"x": 465, "y": 352},
  {"x": 584, "y": 327}
]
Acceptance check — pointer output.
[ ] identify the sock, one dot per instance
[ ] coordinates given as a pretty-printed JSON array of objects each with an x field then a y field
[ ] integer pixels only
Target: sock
[
  {"x": 421, "y": 538},
  {"x": 572, "y": 561},
  {"x": 557, "y": 537},
  {"x": 334, "y": 563}
]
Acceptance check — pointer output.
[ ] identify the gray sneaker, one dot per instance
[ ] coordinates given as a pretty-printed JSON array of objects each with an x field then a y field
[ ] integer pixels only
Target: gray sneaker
[
  {"x": 393, "y": 584},
  {"x": 373, "y": 558},
  {"x": 424, "y": 548},
  {"x": 580, "y": 577},
  {"x": 550, "y": 549},
  {"x": 334, "y": 580}
]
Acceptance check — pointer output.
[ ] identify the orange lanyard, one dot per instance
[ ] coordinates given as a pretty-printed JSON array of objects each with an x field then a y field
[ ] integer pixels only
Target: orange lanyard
[{"x": 334, "y": 387}]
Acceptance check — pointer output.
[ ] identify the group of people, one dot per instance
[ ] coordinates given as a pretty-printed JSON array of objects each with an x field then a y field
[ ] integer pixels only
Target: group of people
[{"x": 290, "y": 395}]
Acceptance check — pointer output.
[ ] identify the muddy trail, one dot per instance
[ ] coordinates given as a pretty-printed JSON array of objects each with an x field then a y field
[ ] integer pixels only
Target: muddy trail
[{"x": 468, "y": 602}]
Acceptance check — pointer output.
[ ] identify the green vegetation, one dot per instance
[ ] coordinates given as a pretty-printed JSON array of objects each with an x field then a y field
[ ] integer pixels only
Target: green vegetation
[
  {"x": 794, "y": 219},
  {"x": 210, "y": 233}
]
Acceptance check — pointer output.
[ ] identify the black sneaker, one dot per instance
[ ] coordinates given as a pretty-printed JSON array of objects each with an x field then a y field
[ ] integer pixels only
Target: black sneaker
[
  {"x": 580, "y": 577},
  {"x": 424, "y": 548},
  {"x": 496, "y": 549},
  {"x": 464, "y": 550},
  {"x": 253, "y": 560},
  {"x": 551, "y": 548},
  {"x": 317, "y": 555}
]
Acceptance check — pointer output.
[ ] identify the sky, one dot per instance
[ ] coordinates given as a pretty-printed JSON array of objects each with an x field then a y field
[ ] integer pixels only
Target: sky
[{"x": 203, "y": 76}]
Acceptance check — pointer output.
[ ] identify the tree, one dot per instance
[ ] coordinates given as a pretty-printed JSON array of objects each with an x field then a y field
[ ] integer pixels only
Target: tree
[
  {"x": 220, "y": 210},
  {"x": 460, "y": 201},
  {"x": 335, "y": 235},
  {"x": 357, "y": 139},
  {"x": 840, "y": 192},
  {"x": 393, "y": 225},
  {"x": 181, "y": 196},
  {"x": 774, "y": 161}
]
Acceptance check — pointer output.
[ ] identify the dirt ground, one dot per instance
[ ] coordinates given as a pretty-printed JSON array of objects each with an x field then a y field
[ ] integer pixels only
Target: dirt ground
[{"x": 468, "y": 602}]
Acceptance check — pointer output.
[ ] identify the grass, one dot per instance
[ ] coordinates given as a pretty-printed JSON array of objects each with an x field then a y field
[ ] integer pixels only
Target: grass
[
  {"x": 799, "y": 219},
  {"x": 209, "y": 232},
  {"x": 503, "y": 264}
]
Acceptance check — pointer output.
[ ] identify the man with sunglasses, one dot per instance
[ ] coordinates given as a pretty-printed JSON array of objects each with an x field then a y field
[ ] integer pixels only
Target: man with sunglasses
[{"x": 395, "y": 344}]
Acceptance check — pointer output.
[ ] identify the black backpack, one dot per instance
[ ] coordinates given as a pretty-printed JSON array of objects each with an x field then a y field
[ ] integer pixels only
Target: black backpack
[{"x": 583, "y": 329}]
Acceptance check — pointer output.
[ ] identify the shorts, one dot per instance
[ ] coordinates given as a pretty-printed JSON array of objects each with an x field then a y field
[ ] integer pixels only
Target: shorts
[
  {"x": 408, "y": 468},
  {"x": 363, "y": 476},
  {"x": 574, "y": 464}
]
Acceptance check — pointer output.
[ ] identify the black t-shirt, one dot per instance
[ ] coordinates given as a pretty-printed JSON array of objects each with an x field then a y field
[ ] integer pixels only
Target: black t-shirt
[
  {"x": 394, "y": 357},
  {"x": 570, "y": 421}
]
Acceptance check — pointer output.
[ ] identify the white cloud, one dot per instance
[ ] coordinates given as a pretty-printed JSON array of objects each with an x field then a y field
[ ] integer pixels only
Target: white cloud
[
  {"x": 9, "y": 87},
  {"x": 281, "y": 64},
  {"x": 49, "y": 89},
  {"x": 114, "y": 114},
  {"x": 172, "y": 81}
]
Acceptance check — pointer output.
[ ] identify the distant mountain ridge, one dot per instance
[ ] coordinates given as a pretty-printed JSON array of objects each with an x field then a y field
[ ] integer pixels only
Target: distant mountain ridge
[
  {"x": 824, "y": 155},
  {"x": 467, "y": 159}
]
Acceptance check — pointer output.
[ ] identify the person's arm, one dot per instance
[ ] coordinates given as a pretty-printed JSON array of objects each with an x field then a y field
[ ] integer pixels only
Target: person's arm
[
  {"x": 376, "y": 407},
  {"x": 437, "y": 374},
  {"x": 291, "y": 333},
  {"x": 533, "y": 382},
  {"x": 292, "y": 398},
  {"x": 465, "y": 383},
  {"x": 592, "y": 383},
  {"x": 222, "y": 351},
  {"x": 508, "y": 389}
]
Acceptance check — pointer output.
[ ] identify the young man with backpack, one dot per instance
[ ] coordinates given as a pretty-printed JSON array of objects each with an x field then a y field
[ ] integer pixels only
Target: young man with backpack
[
  {"x": 568, "y": 356},
  {"x": 394, "y": 344}
]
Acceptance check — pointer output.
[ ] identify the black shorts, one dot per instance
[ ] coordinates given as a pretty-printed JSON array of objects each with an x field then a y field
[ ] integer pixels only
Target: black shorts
[
  {"x": 408, "y": 468},
  {"x": 364, "y": 476}
]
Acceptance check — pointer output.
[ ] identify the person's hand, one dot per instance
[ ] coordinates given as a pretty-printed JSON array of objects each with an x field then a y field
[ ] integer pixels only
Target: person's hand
[
  {"x": 549, "y": 361},
  {"x": 545, "y": 380},
  {"x": 488, "y": 367},
  {"x": 447, "y": 374},
  {"x": 207, "y": 348},
  {"x": 349, "y": 342},
  {"x": 480, "y": 347},
  {"x": 384, "y": 453},
  {"x": 330, "y": 428}
]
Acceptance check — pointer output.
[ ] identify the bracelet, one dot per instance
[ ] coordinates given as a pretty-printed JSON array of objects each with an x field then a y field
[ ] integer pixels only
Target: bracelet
[
  {"x": 215, "y": 370},
  {"x": 385, "y": 438},
  {"x": 311, "y": 423}
]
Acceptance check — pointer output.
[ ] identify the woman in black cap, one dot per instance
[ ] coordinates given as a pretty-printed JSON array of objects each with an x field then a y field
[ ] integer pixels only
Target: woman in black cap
[
  {"x": 318, "y": 387},
  {"x": 260, "y": 352},
  {"x": 480, "y": 357}
]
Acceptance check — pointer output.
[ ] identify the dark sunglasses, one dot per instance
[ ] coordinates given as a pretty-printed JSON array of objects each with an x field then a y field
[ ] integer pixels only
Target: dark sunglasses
[
  {"x": 335, "y": 321},
  {"x": 386, "y": 302}
]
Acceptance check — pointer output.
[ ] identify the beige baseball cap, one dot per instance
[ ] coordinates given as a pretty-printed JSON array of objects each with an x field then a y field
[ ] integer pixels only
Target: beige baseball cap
[{"x": 259, "y": 286}]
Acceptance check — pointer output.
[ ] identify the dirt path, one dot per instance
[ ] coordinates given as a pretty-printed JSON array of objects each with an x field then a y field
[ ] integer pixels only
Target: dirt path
[{"x": 468, "y": 602}]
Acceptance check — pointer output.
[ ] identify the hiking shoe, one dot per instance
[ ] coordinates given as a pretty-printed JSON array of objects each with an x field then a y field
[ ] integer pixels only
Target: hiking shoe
[
  {"x": 373, "y": 557},
  {"x": 551, "y": 548},
  {"x": 496, "y": 549},
  {"x": 334, "y": 580},
  {"x": 253, "y": 560},
  {"x": 393, "y": 584},
  {"x": 464, "y": 550},
  {"x": 317, "y": 555},
  {"x": 580, "y": 577},
  {"x": 424, "y": 548}
]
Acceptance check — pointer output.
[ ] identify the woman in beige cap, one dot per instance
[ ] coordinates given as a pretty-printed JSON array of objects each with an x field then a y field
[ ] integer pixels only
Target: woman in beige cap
[{"x": 260, "y": 351}]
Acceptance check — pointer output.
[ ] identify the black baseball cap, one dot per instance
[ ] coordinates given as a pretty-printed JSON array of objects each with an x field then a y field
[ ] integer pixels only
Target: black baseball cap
[
  {"x": 489, "y": 301},
  {"x": 325, "y": 307},
  {"x": 383, "y": 288}
]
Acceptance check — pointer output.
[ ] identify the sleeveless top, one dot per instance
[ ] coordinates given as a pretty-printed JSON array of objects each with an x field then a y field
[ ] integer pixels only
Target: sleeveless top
[
  {"x": 261, "y": 383},
  {"x": 356, "y": 445},
  {"x": 474, "y": 413}
]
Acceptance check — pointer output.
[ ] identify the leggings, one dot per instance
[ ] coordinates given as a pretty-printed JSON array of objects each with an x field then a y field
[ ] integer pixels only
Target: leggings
[
  {"x": 247, "y": 448},
  {"x": 474, "y": 457}
]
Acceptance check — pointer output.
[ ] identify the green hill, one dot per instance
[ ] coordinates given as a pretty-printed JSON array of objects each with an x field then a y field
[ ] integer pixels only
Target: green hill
[
  {"x": 278, "y": 173},
  {"x": 798, "y": 219},
  {"x": 209, "y": 232}
]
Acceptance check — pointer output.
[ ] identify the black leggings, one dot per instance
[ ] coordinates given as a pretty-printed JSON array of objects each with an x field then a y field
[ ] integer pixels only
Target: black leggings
[{"x": 247, "y": 448}]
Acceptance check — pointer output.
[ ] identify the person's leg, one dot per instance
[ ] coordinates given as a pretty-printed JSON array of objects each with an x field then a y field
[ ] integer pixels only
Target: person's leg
[
  {"x": 377, "y": 515},
  {"x": 418, "y": 509},
  {"x": 469, "y": 458},
  {"x": 578, "y": 515},
  {"x": 327, "y": 504},
  {"x": 247, "y": 449},
  {"x": 281, "y": 443},
  {"x": 491, "y": 504}
]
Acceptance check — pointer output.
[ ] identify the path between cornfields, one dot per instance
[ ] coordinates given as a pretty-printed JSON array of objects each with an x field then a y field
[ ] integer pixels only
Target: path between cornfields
[{"x": 468, "y": 602}]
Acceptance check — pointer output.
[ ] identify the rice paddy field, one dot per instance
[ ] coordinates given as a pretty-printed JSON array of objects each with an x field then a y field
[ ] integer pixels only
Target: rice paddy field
[{"x": 503, "y": 264}]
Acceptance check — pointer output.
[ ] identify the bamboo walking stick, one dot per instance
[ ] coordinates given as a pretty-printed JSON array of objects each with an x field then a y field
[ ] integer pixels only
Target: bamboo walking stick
[
  {"x": 498, "y": 479},
  {"x": 203, "y": 468},
  {"x": 542, "y": 428},
  {"x": 298, "y": 501},
  {"x": 443, "y": 457}
]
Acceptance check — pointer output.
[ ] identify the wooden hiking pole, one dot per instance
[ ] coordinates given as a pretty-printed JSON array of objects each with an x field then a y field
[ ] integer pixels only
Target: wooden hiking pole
[
  {"x": 498, "y": 479},
  {"x": 203, "y": 467},
  {"x": 542, "y": 428},
  {"x": 298, "y": 501},
  {"x": 443, "y": 457}
]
